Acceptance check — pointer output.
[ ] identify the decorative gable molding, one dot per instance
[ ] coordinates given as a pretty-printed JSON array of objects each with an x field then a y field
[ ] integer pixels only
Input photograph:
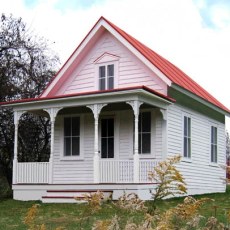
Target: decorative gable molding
[{"x": 106, "y": 57}]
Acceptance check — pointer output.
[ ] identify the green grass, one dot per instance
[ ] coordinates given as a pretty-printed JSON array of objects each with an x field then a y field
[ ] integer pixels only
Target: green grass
[{"x": 68, "y": 216}]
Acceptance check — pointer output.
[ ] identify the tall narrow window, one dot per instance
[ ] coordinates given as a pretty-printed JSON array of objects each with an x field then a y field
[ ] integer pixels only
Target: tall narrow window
[
  {"x": 187, "y": 137},
  {"x": 144, "y": 132},
  {"x": 214, "y": 144},
  {"x": 106, "y": 77},
  {"x": 72, "y": 136}
]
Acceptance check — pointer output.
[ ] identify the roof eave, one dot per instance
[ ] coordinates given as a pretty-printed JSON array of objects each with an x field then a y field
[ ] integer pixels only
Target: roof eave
[{"x": 201, "y": 100}]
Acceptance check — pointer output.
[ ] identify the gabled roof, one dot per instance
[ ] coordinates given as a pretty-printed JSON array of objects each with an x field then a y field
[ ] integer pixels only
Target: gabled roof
[
  {"x": 172, "y": 74},
  {"x": 176, "y": 75}
]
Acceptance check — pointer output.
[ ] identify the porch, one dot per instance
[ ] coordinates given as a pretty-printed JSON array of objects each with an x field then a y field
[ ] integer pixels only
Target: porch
[{"x": 110, "y": 171}]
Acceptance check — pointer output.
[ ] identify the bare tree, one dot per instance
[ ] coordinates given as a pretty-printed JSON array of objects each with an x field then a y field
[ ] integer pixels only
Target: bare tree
[{"x": 26, "y": 66}]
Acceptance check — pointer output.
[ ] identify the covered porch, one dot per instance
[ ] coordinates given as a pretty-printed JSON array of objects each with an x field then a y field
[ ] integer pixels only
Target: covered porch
[{"x": 128, "y": 169}]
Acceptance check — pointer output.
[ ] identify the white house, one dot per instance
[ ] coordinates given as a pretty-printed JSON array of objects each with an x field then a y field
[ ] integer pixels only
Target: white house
[{"x": 116, "y": 109}]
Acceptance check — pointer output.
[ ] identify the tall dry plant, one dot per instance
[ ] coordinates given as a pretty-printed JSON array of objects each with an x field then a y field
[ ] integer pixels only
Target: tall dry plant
[{"x": 169, "y": 181}]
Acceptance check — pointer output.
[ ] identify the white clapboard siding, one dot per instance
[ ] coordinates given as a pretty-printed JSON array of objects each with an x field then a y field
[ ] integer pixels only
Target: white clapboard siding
[
  {"x": 199, "y": 173},
  {"x": 131, "y": 71},
  {"x": 74, "y": 171}
]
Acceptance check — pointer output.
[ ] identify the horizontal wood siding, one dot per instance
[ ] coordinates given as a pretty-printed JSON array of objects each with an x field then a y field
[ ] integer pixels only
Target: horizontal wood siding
[
  {"x": 74, "y": 171},
  {"x": 125, "y": 134},
  {"x": 200, "y": 175},
  {"x": 130, "y": 71}
]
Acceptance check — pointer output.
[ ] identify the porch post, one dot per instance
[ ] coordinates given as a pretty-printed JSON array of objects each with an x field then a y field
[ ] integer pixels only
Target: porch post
[
  {"x": 96, "y": 109},
  {"x": 136, "y": 105},
  {"x": 164, "y": 133},
  {"x": 52, "y": 113},
  {"x": 17, "y": 115}
]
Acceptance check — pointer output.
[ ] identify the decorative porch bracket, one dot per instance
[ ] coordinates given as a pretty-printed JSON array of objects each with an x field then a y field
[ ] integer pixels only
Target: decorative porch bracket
[
  {"x": 136, "y": 106},
  {"x": 17, "y": 115},
  {"x": 164, "y": 132},
  {"x": 96, "y": 109},
  {"x": 52, "y": 113}
]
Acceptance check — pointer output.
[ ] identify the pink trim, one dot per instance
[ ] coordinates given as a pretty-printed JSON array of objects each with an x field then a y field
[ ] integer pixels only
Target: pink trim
[
  {"x": 104, "y": 55},
  {"x": 91, "y": 93}
]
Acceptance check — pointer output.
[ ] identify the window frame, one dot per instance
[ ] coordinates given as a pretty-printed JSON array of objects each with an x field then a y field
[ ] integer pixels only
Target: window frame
[
  {"x": 150, "y": 155},
  {"x": 81, "y": 141},
  {"x": 215, "y": 144},
  {"x": 188, "y": 156},
  {"x": 97, "y": 75}
]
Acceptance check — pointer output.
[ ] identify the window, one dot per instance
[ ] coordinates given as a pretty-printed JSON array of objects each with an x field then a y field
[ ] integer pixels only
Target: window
[
  {"x": 187, "y": 137},
  {"x": 106, "y": 77},
  {"x": 71, "y": 136},
  {"x": 213, "y": 144},
  {"x": 144, "y": 132}
]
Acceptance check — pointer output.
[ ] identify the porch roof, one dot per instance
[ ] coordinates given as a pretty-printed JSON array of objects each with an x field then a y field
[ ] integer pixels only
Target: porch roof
[{"x": 93, "y": 94}]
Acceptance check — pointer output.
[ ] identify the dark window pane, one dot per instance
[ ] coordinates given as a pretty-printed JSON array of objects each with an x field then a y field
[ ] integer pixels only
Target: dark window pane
[
  {"x": 139, "y": 143},
  {"x": 102, "y": 83},
  {"x": 185, "y": 147},
  {"x": 104, "y": 127},
  {"x": 189, "y": 148},
  {"x": 102, "y": 72},
  {"x": 110, "y": 147},
  {"x": 67, "y": 126},
  {"x": 110, "y": 123},
  {"x": 139, "y": 123},
  {"x": 67, "y": 146},
  {"x": 189, "y": 127},
  {"x": 110, "y": 83},
  {"x": 146, "y": 143},
  {"x": 185, "y": 127},
  {"x": 146, "y": 122},
  {"x": 76, "y": 146},
  {"x": 104, "y": 147},
  {"x": 110, "y": 70},
  {"x": 76, "y": 126}
]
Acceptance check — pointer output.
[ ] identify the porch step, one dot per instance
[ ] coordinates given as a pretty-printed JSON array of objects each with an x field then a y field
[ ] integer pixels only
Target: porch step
[{"x": 70, "y": 196}]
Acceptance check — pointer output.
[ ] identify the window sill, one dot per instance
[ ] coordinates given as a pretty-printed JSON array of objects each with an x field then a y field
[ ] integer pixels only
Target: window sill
[
  {"x": 71, "y": 158},
  {"x": 213, "y": 164},
  {"x": 187, "y": 160}
]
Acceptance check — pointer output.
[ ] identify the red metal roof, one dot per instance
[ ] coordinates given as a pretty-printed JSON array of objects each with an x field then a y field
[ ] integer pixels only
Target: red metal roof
[{"x": 176, "y": 75}]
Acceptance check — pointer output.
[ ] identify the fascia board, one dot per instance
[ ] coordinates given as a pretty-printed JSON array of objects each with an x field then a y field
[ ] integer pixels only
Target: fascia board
[{"x": 113, "y": 97}]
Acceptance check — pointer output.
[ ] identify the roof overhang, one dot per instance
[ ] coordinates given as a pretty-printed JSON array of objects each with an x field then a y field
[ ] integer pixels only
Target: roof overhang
[
  {"x": 142, "y": 93},
  {"x": 201, "y": 100}
]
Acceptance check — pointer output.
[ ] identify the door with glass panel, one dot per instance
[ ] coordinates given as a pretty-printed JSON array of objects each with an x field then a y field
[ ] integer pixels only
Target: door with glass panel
[{"x": 107, "y": 138}]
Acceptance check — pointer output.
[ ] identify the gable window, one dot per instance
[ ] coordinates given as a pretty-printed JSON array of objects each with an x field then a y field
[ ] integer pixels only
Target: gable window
[
  {"x": 144, "y": 132},
  {"x": 187, "y": 137},
  {"x": 71, "y": 136},
  {"x": 106, "y": 77},
  {"x": 213, "y": 144}
]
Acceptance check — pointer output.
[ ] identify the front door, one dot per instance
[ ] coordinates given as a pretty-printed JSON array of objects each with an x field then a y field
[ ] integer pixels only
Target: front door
[{"x": 107, "y": 138}]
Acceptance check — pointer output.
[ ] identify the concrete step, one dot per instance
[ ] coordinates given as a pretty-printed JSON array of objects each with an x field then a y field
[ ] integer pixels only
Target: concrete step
[{"x": 70, "y": 196}]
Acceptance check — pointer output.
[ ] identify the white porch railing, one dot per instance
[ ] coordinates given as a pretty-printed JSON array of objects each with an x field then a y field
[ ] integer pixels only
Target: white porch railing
[
  {"x": 32, "y": 172},
  {"x": 146, "y": 166},
  {"x": 116, "y": 171},
  {"x": 122, "y": 171}
]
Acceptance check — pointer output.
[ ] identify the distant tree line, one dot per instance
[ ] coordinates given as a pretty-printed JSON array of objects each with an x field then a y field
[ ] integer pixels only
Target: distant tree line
[{"x": 26, "y": 66}]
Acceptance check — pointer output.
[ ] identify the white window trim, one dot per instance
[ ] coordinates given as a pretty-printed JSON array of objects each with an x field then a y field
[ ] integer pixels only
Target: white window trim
[
  {"x": 96, "y": 70},
  {"x": 214, "y": 164},
  {"x": 81, "y": 155},
  {"x": 152, "y": 154},
  {"x": 186, "y": 159}
]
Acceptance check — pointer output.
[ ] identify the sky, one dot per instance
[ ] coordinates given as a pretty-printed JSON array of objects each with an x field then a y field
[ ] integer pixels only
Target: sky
[{"x": 192, "y": 34}]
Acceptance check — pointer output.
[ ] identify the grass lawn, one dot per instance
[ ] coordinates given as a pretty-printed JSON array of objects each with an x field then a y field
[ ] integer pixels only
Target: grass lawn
[{"x": 68, "y": 216}]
